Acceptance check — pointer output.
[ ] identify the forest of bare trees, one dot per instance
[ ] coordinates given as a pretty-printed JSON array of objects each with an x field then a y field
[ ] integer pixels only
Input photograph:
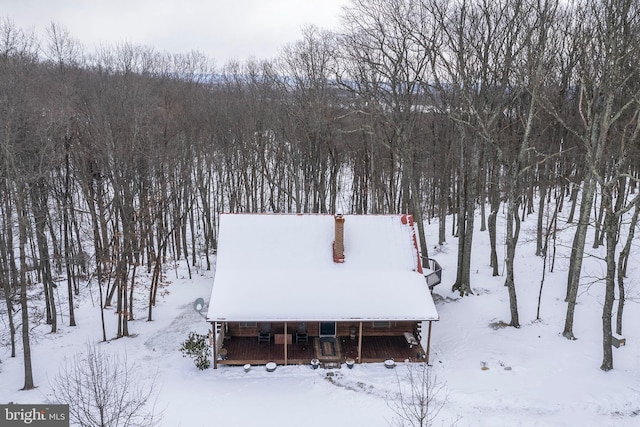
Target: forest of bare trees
[{"x": 119, "y": 160}]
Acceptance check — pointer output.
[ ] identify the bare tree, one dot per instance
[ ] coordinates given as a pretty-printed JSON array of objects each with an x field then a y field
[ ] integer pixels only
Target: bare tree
[
  {"x": 66, "y": 56},
  {"x": 420, "y": 397},
  {"x": 532, "y": 41},
  {"x": 388, "y": 52},
  {"x": 605, "y": 34},
  {"x": 462, "y": 79},
  {"x": 18, "y": 63},
  {"x": 103, "y": 390},
  {"x": 24, "y": 306},
  {"x": 311, "y": 113}
]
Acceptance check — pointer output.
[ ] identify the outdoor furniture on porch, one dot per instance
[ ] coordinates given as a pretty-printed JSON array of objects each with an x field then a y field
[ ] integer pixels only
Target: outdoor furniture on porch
[
  {"x": 282, "y": 338},
  {"x": 411, "y": 340},
  {"x": 265, "y": 333},
  {"x": 302, "y": 337}
]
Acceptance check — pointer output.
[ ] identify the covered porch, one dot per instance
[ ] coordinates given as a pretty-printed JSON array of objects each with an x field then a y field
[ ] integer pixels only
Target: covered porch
[
  {"x": 357, "y": 282},
  {"x": 361, "y": 342}
]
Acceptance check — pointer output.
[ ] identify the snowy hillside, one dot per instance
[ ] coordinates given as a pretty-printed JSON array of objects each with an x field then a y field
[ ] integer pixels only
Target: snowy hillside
[{"x": 551, "y": 381}]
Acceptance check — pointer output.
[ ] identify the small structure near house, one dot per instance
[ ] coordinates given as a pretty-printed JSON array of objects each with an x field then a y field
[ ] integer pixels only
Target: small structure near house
[
  {"x": 353, "y": 284},
  {"x": 618, "y": 340}
]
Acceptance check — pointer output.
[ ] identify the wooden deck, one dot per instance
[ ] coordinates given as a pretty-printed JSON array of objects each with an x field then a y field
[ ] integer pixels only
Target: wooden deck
[
  {"x": 243, "y": 350},
  {"x": 379, "y": 349}
]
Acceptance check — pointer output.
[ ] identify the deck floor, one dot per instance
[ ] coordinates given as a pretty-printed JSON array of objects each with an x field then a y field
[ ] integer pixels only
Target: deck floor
[{"x": 243, "y": 350}]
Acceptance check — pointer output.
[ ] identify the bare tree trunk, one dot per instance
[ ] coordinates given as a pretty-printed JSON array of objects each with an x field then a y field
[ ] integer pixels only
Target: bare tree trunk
[
  {"x": 577, "y": 253},
  {"x": 5, "y": 277},
  {"x": 99, "y": 254},
  {"x": 131, "y": 288},
  {"x": 22, "y": 228},
  {"x": 466, "y": 216},
  {"x": 544, "y": 251},
  {"x": 542, "y": 196},
  {"x": 494, "y": 198},
  {"x": 611, "y": 229},
  {"x": 513, "y": 225},
  {"x": 66, "y": 206},
  {"x": 443, "y": 206},
  {"x": 600, "y": 231},
  {"x": 623, "y": 258},
  {"x": 40, "y": 214},
  {"x": 575, "y": 190}
]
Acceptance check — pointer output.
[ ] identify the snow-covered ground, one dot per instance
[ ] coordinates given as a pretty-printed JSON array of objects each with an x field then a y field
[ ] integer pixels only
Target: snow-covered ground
[{"x": 552, "y": 381}]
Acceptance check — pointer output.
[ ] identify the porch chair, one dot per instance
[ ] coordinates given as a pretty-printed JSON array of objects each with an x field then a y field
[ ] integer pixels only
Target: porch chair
[
  {"x": 301, "y": 333},
  {"x": 265, "y": 333}
]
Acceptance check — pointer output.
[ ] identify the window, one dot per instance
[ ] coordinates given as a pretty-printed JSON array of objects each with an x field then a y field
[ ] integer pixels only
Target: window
[
  {"x": 381, "y": 324},
  {"x": 248, "y": 324}
]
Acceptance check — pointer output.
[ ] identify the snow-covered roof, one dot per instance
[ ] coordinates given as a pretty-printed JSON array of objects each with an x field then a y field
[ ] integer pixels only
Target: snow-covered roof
[{"x": 280, "y": 267}]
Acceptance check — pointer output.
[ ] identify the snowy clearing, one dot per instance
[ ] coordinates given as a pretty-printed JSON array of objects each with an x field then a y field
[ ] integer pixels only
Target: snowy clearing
[{"x": 551, "y": 381}]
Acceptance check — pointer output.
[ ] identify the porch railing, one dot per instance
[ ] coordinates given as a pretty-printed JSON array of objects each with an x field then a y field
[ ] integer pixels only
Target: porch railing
[{"x": 432, "y": 271}]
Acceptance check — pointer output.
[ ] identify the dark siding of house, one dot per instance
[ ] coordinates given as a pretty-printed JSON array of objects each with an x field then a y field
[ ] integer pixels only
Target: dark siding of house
[
  {"x": 369, "y": 330},
  {"x": 344, "y": 329}
]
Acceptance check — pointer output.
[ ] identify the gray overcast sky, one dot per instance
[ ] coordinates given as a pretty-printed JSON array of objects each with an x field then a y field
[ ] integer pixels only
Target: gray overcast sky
[{"x": 221, "y": 29}]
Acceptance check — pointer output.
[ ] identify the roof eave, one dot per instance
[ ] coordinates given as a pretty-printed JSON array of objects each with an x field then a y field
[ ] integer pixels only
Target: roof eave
[{"x": 340, "y": 319}]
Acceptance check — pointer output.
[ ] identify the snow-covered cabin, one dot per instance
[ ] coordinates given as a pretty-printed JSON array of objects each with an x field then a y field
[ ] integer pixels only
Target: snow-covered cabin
[{"x": 290, "y": 288}]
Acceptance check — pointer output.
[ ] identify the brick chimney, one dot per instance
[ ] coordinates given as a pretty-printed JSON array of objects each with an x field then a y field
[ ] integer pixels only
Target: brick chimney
[{"x": 338, "y": 242}]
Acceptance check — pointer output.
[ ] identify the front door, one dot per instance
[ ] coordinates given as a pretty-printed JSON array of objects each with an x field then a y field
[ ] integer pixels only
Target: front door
[{"x": 327, "y": 329}]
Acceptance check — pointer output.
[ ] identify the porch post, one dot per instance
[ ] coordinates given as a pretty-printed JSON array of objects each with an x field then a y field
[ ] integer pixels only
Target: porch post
[
  {"x": 429, "y": 341},
  {"x": 360, "y": 344},
  {"x": 286, "y": 335},
  {"x": 213, "y": 342}
]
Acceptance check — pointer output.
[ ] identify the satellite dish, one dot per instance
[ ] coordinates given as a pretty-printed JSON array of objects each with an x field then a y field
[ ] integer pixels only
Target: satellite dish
[{"x": 198, "y": 305}]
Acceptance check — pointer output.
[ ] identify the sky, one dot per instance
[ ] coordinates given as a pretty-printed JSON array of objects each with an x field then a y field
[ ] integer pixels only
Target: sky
[{"x": 221, "y": 29}]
